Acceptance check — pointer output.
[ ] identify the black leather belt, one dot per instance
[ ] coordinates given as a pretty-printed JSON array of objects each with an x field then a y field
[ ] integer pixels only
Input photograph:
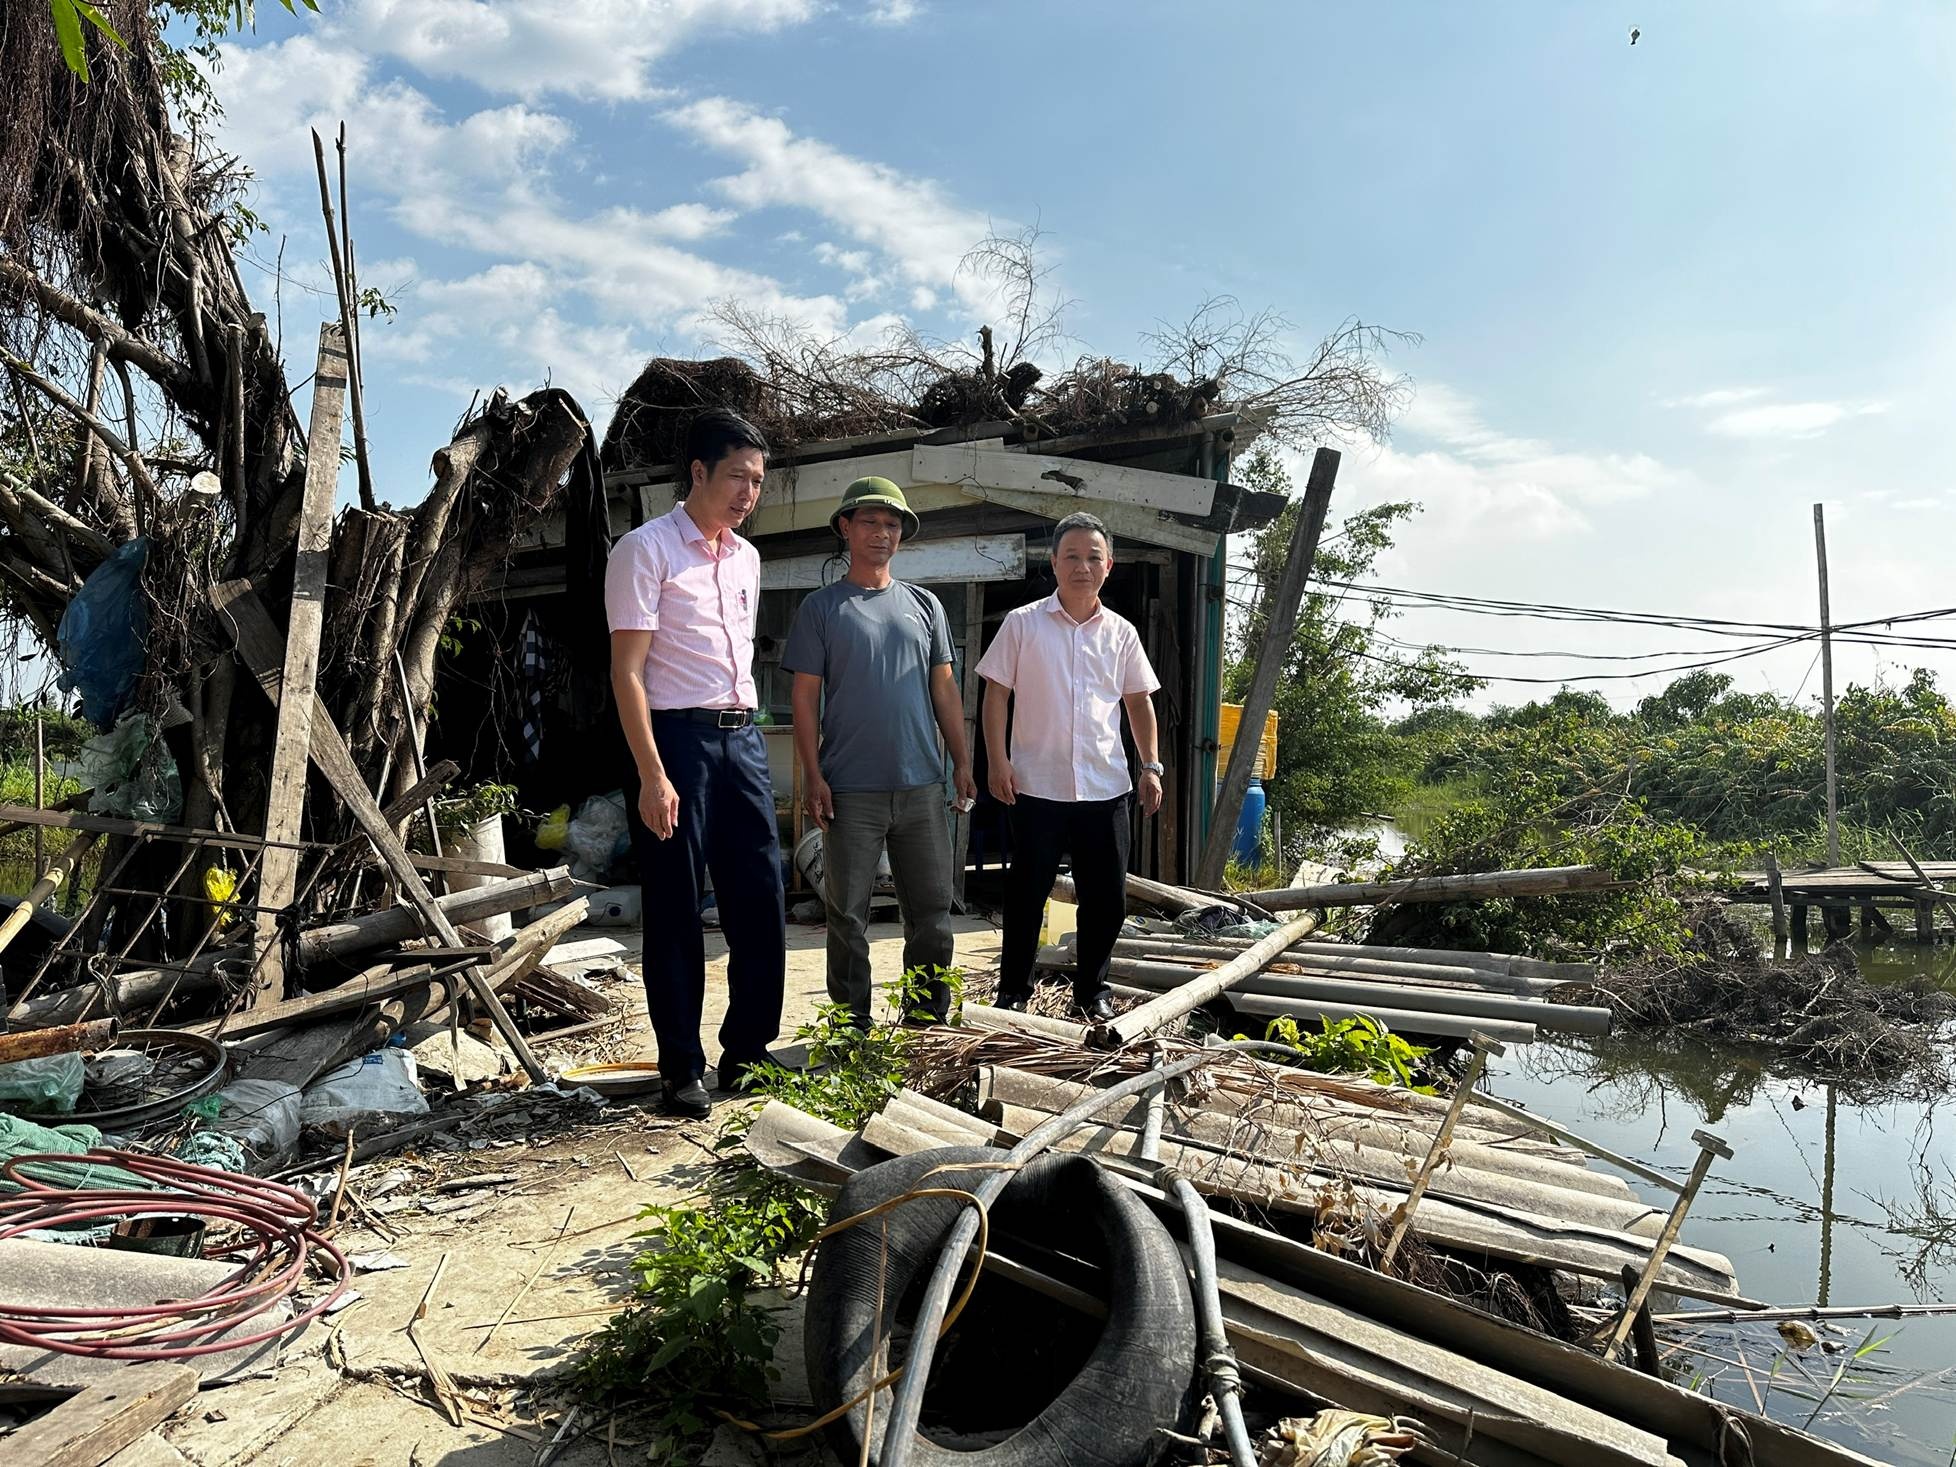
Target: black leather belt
[{"x": 712, "y": 717}]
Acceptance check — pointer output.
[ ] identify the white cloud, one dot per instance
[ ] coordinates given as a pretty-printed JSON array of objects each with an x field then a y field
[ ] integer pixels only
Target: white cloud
[
  {"x": 602, "y": 49},
  {"x": 1789, "y": 419},
  {"x": 907, "y": 220},
  {"x": 1717, "y": 397},
  {"x": 892, "y": 12}
]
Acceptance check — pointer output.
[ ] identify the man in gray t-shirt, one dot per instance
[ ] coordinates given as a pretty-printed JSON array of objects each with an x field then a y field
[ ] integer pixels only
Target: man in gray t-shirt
[{"x": 871, "y": 657}]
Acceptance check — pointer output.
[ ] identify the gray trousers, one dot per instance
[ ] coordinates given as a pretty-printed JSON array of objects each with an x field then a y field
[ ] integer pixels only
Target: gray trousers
[{"x": 912, "y": 824}]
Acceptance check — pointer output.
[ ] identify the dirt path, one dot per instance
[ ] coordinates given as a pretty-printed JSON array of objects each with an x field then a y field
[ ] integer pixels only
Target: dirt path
[{"x": 558, "y": 1233}]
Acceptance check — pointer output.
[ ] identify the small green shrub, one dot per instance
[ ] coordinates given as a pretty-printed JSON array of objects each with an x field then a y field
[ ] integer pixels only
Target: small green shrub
[
  {"x": 1354, "y": 1046},
  {"x": 699, "y": 1339}
]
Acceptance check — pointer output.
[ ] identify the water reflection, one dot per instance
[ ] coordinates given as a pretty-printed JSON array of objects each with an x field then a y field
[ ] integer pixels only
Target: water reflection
[{"x": 1833, "y": 1198}]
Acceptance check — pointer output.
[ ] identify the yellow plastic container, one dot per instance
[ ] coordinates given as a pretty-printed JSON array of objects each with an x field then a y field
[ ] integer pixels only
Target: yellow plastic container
[
  {"x": 1062, "y": 921},
  {"x": 1266, "y": 754}
]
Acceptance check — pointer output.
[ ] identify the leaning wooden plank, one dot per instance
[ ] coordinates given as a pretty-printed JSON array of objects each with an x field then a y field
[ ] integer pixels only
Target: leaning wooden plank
[
  {"x": 257, "y": 642},
  {"x": 1543, "y": 881},
  {"x": 1090, "y": 483},
  {"x": 1161, "y": 1011},
  {"x": 392, "y": 925},
  {"x": 370, "y": 986},
  {"x": 89, "y": 1428},
  {"x": 285, "y": 801}
]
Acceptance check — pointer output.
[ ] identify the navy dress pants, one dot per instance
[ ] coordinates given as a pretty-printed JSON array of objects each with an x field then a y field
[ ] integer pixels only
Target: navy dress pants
[{"x": 726, "y": 827}]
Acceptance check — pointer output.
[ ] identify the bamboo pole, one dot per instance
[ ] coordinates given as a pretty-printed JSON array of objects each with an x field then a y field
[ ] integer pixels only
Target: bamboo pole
[
  {"x": 1161, "y": 1011},
  {"x": 1542, "y": 881},
  {"x": 59, "y": 870},
  {"x": 1827, "y": 684}
]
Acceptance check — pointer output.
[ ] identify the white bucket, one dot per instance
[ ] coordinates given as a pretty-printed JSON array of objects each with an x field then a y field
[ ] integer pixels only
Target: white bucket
[{"x": 481, "y": 842}]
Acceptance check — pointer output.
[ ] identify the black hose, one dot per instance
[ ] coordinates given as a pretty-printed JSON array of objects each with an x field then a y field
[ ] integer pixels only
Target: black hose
[{"x": 1217, "y": 1359}]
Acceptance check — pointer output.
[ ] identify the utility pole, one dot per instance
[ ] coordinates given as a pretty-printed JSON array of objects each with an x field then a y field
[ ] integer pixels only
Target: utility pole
[{"x": 1827, "y": 686}]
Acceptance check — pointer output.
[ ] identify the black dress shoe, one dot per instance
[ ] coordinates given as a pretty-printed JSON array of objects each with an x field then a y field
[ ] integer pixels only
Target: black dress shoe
[
  {"x": 686, "y": 1099},
  {"x": 1101, "y": 1010},
  {"x": 1013, "y": 1002}
]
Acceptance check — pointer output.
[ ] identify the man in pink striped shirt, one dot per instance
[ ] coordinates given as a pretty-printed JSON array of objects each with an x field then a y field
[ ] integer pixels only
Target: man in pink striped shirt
[
  {"x": 1066, "y": 667},
  {"x": 682, "y": 593}
]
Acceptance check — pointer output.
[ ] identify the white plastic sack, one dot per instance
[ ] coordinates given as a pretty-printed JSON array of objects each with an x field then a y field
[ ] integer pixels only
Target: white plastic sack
[
  {"x": 261, "y": 1114},
  {"x": 592, "y": 838},
  {"x": 384, "y": 1085}
]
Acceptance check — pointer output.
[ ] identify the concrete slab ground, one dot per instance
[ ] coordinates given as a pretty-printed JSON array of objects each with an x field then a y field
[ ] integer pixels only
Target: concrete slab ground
[{"x": 547, "y": 1252}]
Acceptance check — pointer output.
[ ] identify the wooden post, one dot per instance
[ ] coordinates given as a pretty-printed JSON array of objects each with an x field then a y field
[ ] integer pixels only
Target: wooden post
[
  {"x": 1442, "y": 1138},
  {"x": 40, "y": 789},
  {"x": 1278, "y": 630},
  {"x": 258, "y": 644},
  {"x": 285, "y": 803},
  {"x": 1709, "y": 1146},
  {"x": 1776, "y": 893},
  {"x": 1827, "y": 685},
  {"x": 1925, "y": 921},
  {"x": 1864, "y": 919},
  {"x": 1802, "y": 928}
]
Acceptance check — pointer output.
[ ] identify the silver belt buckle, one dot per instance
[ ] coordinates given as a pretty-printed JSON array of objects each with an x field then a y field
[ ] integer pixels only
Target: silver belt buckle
[{"x": 733, "y": 718}]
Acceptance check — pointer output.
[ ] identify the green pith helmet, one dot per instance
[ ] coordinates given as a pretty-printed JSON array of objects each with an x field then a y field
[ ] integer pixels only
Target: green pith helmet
[{"x": 880, "y": 492}]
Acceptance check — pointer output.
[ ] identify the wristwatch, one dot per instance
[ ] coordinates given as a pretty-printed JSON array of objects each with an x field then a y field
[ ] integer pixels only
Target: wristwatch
[{"x": 1151, "y": 768}]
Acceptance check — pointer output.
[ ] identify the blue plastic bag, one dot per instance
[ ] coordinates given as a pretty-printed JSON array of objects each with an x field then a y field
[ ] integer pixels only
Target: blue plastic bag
[{"x": 102, "y": 635}]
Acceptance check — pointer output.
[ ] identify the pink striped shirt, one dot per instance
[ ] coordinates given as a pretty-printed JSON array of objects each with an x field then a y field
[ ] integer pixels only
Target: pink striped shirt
[
  {"x": 1067, "y": 679},
  {"x": 700, "y": 602}
]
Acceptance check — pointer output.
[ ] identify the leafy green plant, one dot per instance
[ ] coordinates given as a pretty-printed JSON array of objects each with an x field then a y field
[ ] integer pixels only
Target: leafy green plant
[
  {"x": 1355, "y": 1046},
  {"x": 700, "y": 1337},
  {"x": 473, "y": 806}
]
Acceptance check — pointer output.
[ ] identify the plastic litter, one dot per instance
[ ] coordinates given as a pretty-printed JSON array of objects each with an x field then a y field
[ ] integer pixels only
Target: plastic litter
[
  {"x": 117, "y": 1067},
  {"x": 130, "y": 773},
  {"x": 381, "y": 1085},
  {"x": 102, "y": 635},
  {"x": 213, "y": 1149},
  {"x": 261, "y": 1115},
  {"x": 51, "y": 1084},
  {"x": 555, "y": 826},
  {"x": 592, "y": 839}
]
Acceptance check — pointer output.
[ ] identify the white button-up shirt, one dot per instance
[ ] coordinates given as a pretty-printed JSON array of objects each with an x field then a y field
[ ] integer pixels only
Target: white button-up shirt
[{"x": 1067, "y": 679}]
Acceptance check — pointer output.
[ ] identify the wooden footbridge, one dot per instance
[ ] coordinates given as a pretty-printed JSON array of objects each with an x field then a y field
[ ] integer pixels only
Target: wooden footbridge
[{"x": 1865, "y": 890}]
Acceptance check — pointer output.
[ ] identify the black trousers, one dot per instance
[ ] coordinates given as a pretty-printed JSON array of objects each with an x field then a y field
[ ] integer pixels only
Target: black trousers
[
  {"x": 726, "y": 826},
  {"x": 1095, "y": 834}
]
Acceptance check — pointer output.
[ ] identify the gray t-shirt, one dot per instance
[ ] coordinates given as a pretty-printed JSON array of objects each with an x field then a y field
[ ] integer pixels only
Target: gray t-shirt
[{"x": 874, "y": 651}]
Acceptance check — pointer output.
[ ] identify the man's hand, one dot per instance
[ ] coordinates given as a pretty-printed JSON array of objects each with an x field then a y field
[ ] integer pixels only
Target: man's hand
[
  {"x": 658, "y": 805},
  {"x": 1004, "y": 783},
  {"x": 1148, "y": 791},
  {"x": 965, "y": 787},
  {"x": 819, "y": 800}
]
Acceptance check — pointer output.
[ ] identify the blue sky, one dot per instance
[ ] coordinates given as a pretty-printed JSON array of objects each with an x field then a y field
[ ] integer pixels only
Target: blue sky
[{"x": 1669, "y": 295}]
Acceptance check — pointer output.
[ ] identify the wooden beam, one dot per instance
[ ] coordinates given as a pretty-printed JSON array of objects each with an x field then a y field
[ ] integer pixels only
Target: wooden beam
[
  {"x": 1127, "y": 521},
  {"x": 285, "y": 804},
  {"x": 89, "y": 1428},
  {"x": 258, "y": 644},
  {"x": 1279, "y": 628},
  {"x": 1085, "y": 480},
  {"x": 925, "y": 562},
  {"x": 1478, "y": 886}
]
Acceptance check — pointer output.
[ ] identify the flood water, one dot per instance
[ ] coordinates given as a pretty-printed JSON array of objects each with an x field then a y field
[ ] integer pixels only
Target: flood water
[{"x": 1827, "y": 1200}]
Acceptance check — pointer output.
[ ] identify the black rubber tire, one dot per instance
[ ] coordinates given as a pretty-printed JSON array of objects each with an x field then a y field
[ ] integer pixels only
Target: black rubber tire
[{"x": 1137, "y": 1377}]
